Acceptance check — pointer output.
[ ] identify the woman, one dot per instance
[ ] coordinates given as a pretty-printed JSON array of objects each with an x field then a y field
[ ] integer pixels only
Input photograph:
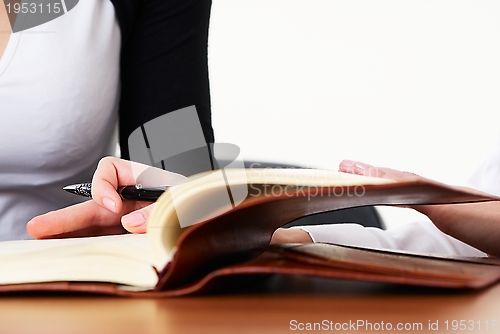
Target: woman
[{"x": 64, "y": 83}]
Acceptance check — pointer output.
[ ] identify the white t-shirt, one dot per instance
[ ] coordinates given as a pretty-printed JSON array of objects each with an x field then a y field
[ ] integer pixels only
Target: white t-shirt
[{"x": 59, "y": 85}]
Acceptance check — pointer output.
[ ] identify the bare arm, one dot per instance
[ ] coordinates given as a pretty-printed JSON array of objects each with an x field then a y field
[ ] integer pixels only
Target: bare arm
[{"x": 476, "y": 224}]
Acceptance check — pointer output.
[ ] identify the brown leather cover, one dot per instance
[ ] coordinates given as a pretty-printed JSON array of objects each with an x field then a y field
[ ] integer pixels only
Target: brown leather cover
[
  {"x": 231, "y": 244},
  {"x": 234, "y": 236}
]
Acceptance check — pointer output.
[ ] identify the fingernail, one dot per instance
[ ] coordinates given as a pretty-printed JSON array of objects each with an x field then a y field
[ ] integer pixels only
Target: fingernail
[
  {"x": 109, "y": 204},
  {"x": 134, "y": 219},
  {"x": 347, "y": 163}
]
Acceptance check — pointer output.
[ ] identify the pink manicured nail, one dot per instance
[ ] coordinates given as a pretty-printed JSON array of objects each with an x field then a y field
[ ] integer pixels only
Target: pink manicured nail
[
  {"x": 347, "y": 163},
  {"x": 109, "y": 204},
  {"x": 134, "y": 219}
]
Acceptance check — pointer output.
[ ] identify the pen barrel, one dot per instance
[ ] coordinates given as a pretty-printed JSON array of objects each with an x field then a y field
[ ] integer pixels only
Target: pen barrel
[{"x": 134, "y": 194}]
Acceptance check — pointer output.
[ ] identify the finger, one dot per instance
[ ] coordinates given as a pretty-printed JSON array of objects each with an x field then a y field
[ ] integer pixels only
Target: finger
[
  {"x": 65, "y": 220},
  {"x": 360, "y": 168},
  {"x": 113, "y": 172},
  {"x": 77, "y": 217},
  {"x": 136, "y": 222},
  {"x": 93, "y": 231}
]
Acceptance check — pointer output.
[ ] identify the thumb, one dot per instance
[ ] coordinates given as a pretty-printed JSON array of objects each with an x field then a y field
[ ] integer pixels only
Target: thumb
[{"x": 136, "y": 221}]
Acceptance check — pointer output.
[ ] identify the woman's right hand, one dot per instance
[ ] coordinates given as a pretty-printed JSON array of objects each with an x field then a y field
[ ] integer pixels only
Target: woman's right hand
[{"x": 106, "y": 213}]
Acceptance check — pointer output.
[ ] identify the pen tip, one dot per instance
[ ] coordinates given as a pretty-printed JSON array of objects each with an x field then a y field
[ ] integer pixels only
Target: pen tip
[{"x": 83, "y": 189}]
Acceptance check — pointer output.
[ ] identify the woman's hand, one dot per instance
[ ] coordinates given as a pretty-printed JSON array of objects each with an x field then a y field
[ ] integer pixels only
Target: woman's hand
[
  {"x": 477, "y": 224},
  {"x": 106, "y": 213},
  {"x": 360, "y": 168}
]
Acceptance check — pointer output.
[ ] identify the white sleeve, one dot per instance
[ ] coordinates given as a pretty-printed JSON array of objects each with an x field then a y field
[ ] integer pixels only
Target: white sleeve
[
  {"x": 487, "y": 176},
  {"x": 421, "y": 237}
]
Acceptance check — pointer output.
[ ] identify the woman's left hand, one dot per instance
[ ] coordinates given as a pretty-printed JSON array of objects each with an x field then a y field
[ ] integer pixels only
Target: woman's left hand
[{"x": 477, "y": 224}]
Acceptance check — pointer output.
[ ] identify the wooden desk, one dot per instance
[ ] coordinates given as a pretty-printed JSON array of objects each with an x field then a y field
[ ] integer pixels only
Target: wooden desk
[{"x": 267, "y": 308}]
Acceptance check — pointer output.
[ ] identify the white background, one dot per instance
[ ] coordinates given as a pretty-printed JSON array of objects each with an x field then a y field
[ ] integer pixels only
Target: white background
[{"x": 413, "y": 85}]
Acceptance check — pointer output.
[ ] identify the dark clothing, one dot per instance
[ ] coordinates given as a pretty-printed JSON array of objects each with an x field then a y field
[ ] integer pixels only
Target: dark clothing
[{"x": 164, "y": 63}]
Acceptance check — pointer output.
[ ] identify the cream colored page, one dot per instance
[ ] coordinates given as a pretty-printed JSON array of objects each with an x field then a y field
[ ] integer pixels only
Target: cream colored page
[
  {"x": 164, "y": 227},
  {"x": 311, "y": 177},
  {"x": 132, "y": 246},
  {"x": 124, "y": 259}
]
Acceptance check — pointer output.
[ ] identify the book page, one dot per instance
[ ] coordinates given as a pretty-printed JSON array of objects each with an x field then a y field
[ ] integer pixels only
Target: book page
[{"x": 125, "y": 259}]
